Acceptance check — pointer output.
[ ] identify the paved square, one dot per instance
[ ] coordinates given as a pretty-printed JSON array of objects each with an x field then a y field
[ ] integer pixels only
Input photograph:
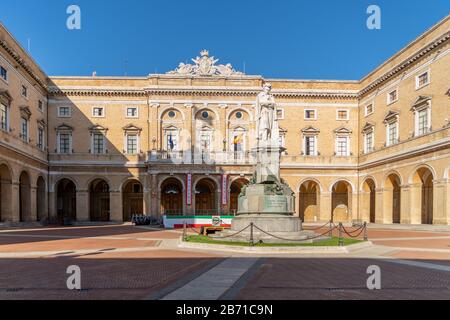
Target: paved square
[{"x": 127, "y": 262}]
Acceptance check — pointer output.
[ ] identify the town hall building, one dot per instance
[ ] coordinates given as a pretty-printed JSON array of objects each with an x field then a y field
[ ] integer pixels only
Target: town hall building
[{"x": 101, "y": 149}]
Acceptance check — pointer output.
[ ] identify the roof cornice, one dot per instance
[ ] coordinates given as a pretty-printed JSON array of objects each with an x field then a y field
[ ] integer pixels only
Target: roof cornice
[
  {"x": 406, "y": 63},
  {"x": 23, "y": 64}
]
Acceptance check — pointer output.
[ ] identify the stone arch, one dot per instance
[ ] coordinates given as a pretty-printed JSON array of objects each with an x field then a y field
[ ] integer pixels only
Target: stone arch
[
  {"x": 171, "y": 191},
  {"x": 66, "y": 200},
  {"x": 166, "y": 110},
  {"x": 41, "y": 198},
  {"x": 414, "y": 178},
  {"x": 368, "y": 199},
  {"x": 309, "y": 200},
  {"x": 424, "y": 177},
  {"x": 239, "y": 109},
  {"x": 297, "y": 188},
  {"x": 198, "y": 113},
  {"x": 206, "y": 196},
  {"x": 392, "y": 197},
  {"x": 132, "y": 198},
  {"x": 352, "y": 186},
  {"x": 99, "y": 200},
  {"x": 97, "y": 177},
  {"x": 25, "y": 214},
  {"x": 235, "y": 189},
  {"x": 6, "y": 179},
  {"x": 341, "y": 201}
]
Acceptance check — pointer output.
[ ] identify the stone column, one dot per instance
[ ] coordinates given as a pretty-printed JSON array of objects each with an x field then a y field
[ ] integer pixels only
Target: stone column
[
  {"x": 439, "y": 202},
  {"x": 52, "y": 199},
  {"x": 33, "y": 204},
  {"x": 146, "y": 194},
  {"x": 387, "y": 205},
  {"x": 415, "y": 197},
  {"x": 364, "y": 206},
  {"x": 379, "y": 208},
  {"x": 354, "y": 214},
  {"x": 6, "y": 205},
  {"x": 325, "y": 206},
  {"x": 447, "y": 201},
  {"x": 405, "y": 210},
  {"x": 115, "y": 206},
  {"x": 154, "y": 199},
  {"x": 83, "y": 206},
  {"x": 297, "y": 204},
  {"x": 15, "y": 199}
]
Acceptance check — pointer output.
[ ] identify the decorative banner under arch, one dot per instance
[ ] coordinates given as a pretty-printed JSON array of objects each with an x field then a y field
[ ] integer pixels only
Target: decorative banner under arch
[
  {"x": 189, "y": 189},
  {"x": 224, "y": 189}
]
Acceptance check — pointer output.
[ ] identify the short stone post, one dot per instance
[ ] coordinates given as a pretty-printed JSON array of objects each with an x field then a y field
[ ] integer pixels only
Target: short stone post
[
  {"x": 341, "y": 239},
  {"x": 330, "y": 234},
  {"x": 184, "y": 231},
  {"x": 365, "y": 232},
  {"x": 252, "y": 243}
]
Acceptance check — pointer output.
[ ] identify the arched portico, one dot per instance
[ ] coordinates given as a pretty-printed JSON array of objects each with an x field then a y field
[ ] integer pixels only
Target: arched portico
[{"x": 5, "y": 193}]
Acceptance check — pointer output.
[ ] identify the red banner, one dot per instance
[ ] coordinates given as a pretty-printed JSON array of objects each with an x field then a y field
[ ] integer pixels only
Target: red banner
[
  {"x": 189, "y": 189},
  {"x": 224, "y": 189}
]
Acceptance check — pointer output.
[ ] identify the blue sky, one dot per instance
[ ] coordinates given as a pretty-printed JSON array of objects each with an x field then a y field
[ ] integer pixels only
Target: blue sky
[{"x": 319, "y": 39}]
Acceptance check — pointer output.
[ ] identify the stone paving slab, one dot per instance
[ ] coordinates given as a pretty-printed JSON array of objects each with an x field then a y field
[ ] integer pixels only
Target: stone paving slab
[{"x": 214, "y": 283}]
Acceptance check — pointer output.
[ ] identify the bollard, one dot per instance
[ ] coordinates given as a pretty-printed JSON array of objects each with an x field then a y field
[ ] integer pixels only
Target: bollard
[
  {"x": 252, "y": 242},
  {"x": 331, "y": 230},
  {"x": 366, "y": 238},
  {"x": 184, "y": 231},
  {"x": 341, "y": 239}
]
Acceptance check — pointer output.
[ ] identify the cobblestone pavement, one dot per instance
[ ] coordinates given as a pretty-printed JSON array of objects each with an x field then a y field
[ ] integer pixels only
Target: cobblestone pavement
[{"x": 127, "y": 262}]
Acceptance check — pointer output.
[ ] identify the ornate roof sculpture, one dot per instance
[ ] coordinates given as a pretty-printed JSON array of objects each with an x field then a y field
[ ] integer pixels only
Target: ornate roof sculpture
[{"x": 205, "y": 66}]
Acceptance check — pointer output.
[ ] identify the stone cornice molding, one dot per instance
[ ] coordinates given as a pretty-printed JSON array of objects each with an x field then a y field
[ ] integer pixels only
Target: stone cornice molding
[
  {"x": 406, "y": 63},
  {"x": 23, "y": 64},
  {"x": 96, "y": 92}
]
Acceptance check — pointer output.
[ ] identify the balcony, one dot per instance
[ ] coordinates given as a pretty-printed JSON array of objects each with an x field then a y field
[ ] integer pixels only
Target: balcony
[
  {"x": 212, "y": 158},
  {"x": 89, "y": 158}
]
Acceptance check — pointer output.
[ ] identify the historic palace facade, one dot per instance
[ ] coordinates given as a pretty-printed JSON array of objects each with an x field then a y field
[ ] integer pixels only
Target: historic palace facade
[{"x": 105, "y": 148}]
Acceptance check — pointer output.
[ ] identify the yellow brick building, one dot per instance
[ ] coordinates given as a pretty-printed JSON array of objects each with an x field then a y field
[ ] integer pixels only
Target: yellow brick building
[{"x": 105, "y": 148}]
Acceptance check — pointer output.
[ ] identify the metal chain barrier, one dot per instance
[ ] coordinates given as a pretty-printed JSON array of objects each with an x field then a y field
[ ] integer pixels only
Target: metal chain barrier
[
  {"x": 302, "y": 240},
  {"x": 342, "y": 230},
  {"x": 321, "y": 227}
]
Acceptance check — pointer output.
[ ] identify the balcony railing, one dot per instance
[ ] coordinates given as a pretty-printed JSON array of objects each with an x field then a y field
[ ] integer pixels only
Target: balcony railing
[{"x": 216, "y": 157}]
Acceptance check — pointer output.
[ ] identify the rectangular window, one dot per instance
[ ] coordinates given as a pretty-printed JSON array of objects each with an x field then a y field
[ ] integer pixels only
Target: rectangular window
[
  {"x": 422, "y": 80},
  {"x": 132, "y": 147},
  {"x": 98, "y": 143},
  {"x": 342, "y": 115},
  {"x": 392, "y": 96},
  {"x": 310, "y": 114},
  {"x": 342, "y": 146},
  {"x": 369, "y": 142},
  {"x": 64, "y": 143},
  {"x": 24, "y": 129},
  {"x": 369, "y": 109},
  {"x": 4, "y": 73},
  {"x": 310, "y": 146},
  {"x": 64, "y": 112},
  {"x": 132, "y": 112},
  {"x": 280, "y": 114},
  {"x": 393, "y": 133},
  {"x": 24, "y": 91},
  {"x": 40, "y": 143},
  {"x": 98, "y": 112},
  {"x": 3, "y": 117},
  {"x": 40, "y": 105},
  {"x": 422, "y": 122}
]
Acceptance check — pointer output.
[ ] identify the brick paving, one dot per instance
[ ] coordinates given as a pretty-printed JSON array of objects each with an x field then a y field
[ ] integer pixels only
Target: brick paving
[
  {"x": 337, "y": 278},
  {"x": 126, "y": 262}
]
